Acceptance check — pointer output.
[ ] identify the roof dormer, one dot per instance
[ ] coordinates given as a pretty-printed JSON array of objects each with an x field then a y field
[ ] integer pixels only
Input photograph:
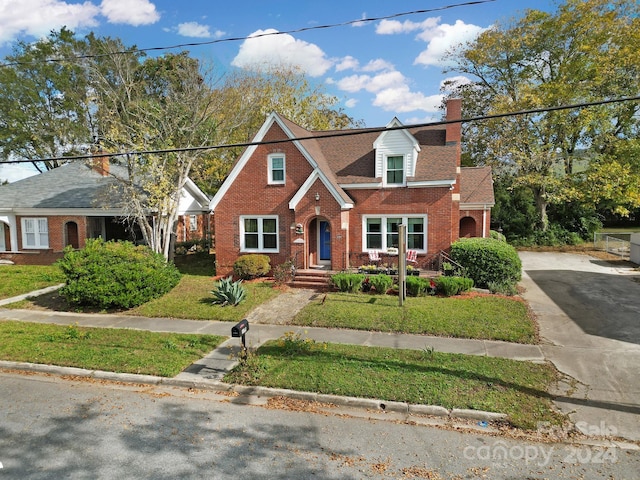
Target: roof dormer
[{"x": 396, "y": 154}]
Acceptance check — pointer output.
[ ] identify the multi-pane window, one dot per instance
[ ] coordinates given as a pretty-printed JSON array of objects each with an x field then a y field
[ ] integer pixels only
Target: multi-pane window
[
  {"x": 395, "y": 169},
  {"x": 381, "y": 233},
  {"x": 35, "y": 233},
  {"x": 373, "y": 234},
  {"x": 276, "y": 169},
  {"x": 259, "y": 234},
  {"x": 193, "y": 223}
]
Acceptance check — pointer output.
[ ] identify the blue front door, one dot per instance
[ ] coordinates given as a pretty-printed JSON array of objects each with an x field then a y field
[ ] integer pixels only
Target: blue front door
[{"x": 325, "y": 241}]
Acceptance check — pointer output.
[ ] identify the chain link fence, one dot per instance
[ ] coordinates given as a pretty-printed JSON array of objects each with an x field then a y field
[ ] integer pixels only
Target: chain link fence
[{"x": 614, "y": 243}]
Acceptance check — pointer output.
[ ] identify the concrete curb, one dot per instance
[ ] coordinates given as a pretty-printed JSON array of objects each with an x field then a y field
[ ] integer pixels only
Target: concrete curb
[{"x": 217, "y": 386}]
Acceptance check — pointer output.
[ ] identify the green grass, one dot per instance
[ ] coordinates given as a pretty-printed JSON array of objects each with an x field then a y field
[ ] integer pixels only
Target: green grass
[
  {"x": 115, "y": 350},
  {"x": 192, "y": 299},
  {"x": 20, "y": 279},
  {"x": 518, "y": 389},
  {"x": 483, "y": 317}
]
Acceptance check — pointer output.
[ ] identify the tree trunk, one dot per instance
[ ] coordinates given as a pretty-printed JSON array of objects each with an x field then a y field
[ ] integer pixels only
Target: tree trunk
[{"x": 541, "y": 207}]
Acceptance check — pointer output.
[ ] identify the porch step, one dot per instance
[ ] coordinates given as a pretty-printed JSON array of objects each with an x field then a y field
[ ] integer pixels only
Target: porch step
[{"x": 312, "y": 279}]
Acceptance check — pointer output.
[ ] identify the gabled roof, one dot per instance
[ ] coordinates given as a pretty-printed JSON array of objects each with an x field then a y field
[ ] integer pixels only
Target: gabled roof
[
  {"x": 309, "y": 148},
  {"x": 346, "y": 160},
  {"x": 476, "y": 187},
  {"x": 75, "y": 185}
]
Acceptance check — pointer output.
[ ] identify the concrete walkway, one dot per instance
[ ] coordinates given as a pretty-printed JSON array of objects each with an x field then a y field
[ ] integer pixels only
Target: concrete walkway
[{"x": 588, "y": 312}]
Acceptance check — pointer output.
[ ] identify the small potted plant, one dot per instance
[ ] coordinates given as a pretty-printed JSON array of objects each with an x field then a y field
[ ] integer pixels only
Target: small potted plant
[{"x": 447, "y": 268}]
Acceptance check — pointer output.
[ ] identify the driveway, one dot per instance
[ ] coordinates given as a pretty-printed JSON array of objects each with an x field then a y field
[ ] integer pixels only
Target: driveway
[{"x": 589, "y": 316}]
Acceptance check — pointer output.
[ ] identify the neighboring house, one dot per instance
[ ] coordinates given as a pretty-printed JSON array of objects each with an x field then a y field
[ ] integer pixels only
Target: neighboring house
[
  {"x": 41, "y": 215},
  {"x": 329, "y": 202}
]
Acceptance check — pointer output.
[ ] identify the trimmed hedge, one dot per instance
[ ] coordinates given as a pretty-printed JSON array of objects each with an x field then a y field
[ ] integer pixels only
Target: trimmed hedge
[
  {"x": 115, "y": 274},
  {"x": 450, "y": 286},
  {"x": 487, "y": 260},
  {"x": 251, "y": 266}
]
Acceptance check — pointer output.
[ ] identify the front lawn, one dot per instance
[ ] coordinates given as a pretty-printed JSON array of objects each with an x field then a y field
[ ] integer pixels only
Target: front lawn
[
  {"x": 192, "y": 299},
  {"x": 518, "y": 389},
  {"x": 113, "y": 350},
  {"x": 20, "y": 279},
  {"x": 482, "y": 317}
]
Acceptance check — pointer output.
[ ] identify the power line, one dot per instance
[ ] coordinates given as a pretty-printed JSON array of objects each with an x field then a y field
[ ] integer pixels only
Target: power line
[
  {"x": 339, "y": 133},
  {"x": 236, "y": 39}
]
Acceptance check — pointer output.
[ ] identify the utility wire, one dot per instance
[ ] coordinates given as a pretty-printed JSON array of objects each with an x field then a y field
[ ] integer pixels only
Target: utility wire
[
  {"x": 338, "y": 133},
  {"x": 236, "y": 39}
]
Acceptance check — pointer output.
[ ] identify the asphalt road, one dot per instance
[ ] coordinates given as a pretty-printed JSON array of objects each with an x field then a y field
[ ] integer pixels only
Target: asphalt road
[{"x": 55, "y": 428}]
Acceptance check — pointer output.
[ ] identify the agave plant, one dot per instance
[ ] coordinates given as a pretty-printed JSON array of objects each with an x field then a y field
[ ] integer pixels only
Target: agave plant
[{"x": 228, "y": 292}]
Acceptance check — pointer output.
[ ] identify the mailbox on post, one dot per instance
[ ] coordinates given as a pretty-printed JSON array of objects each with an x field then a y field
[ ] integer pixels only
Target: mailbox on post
[{"x": 239, "y": 330}]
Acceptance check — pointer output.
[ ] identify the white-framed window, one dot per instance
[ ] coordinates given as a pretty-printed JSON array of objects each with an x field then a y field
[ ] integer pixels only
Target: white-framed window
[
  {"x": 35, "y": 233},
  {"x": 380, "y": 232},
  {"x": 394, "y": 170},
  {"x": 277, "y": 169},
  {"x": 259, "y": 233},
  {"x": 193, "y": 223}
]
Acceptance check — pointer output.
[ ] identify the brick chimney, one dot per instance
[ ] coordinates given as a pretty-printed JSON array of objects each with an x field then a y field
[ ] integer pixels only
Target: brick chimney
[
  {"x": 454, "y": 112},
  {"x": 100, "y": 163}
]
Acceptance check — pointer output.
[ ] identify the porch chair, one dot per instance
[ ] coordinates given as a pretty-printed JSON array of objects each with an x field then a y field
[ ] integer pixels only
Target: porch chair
[
  {"x": 374, "y": 256},
  {"x": 412, "y": 256}
]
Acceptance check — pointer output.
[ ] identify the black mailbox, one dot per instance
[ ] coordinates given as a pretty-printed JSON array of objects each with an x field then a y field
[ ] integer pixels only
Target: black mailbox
[{"x": 240, "y": 328}]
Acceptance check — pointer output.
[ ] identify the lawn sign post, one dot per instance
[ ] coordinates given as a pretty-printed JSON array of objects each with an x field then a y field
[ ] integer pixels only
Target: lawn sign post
[{"x": 402, "y": 264}]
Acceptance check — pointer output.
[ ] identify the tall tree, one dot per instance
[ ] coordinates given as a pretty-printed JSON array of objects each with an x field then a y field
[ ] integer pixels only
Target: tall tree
[
  {"x": 147, "y": 105},
  {"x": 43, "y": 102},
  {"x": 582, "y": 53}
]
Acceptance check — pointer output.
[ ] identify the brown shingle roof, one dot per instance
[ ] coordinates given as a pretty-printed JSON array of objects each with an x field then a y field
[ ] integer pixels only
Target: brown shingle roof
[
  {"x": 476, "y": 186},
  {"x": 351, "y": 158}
]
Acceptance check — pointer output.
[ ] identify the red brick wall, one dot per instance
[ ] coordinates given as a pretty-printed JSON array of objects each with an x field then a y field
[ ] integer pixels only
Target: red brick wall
[
  {"x": 56, "y": 226},
  {"x": 251, "y": 195},
  {"x": 184, "y": 232},
  {"x": 479, "y": 217},
  {"x": 435, "y": 203}
]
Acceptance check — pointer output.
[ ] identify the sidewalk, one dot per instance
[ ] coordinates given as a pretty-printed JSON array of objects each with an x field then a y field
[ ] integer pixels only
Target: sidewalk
[{"x": 270, "y": 321}]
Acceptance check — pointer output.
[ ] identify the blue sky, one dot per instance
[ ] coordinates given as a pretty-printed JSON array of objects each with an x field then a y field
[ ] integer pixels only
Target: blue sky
[{"x": 379, "y": 70}]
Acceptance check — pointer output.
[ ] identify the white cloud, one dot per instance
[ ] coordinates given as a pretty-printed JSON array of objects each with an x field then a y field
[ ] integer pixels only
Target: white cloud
[
  {"x": 37, "y": 18},
  {"x": 261, "y": 50},
  {"x": 377, "y": 65},
  {"x": 194, "y": 29},
  {"x": 347, "y": 63},
  {"x": 392, "y": 92},
  {"x": 130, "y": 12},
  {"x": 444, "y": 37},
  {"x": 390, "y": 27},
  {"x": 402, "y": 99},
  {"x": 350, "y": 103}
]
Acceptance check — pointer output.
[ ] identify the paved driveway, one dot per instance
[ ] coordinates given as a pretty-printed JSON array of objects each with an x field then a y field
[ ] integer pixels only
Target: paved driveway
[{"x": 589, "y": 316}]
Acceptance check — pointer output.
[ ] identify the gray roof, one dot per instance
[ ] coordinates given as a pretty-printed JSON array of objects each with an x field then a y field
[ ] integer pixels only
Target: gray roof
[{"x": 74, "y": 185}]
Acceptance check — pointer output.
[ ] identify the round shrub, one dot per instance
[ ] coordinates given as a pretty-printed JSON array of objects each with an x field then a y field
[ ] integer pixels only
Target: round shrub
[
  {"x": 115, "y": 274},
  {"x": 251, "y": 266},
  {"x": 487, "y": 260}
]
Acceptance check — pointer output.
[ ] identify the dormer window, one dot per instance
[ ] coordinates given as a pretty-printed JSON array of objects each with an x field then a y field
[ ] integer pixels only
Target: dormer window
[
  {"x": 395, "y": 170},
  {"x": 276, "y": 169}
]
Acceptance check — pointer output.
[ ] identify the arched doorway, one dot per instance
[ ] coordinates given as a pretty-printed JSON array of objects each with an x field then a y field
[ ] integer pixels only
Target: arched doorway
[
  {"x": 467, "y": 227},
  {"x": 319, "y": 243},
  {"x": 71, "y": 234}
]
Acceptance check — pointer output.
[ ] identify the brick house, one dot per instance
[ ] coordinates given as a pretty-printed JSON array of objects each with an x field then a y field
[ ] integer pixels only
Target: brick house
[
  {"x": 41, "y": 215},
  {"x": 328, "y": 201}
]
